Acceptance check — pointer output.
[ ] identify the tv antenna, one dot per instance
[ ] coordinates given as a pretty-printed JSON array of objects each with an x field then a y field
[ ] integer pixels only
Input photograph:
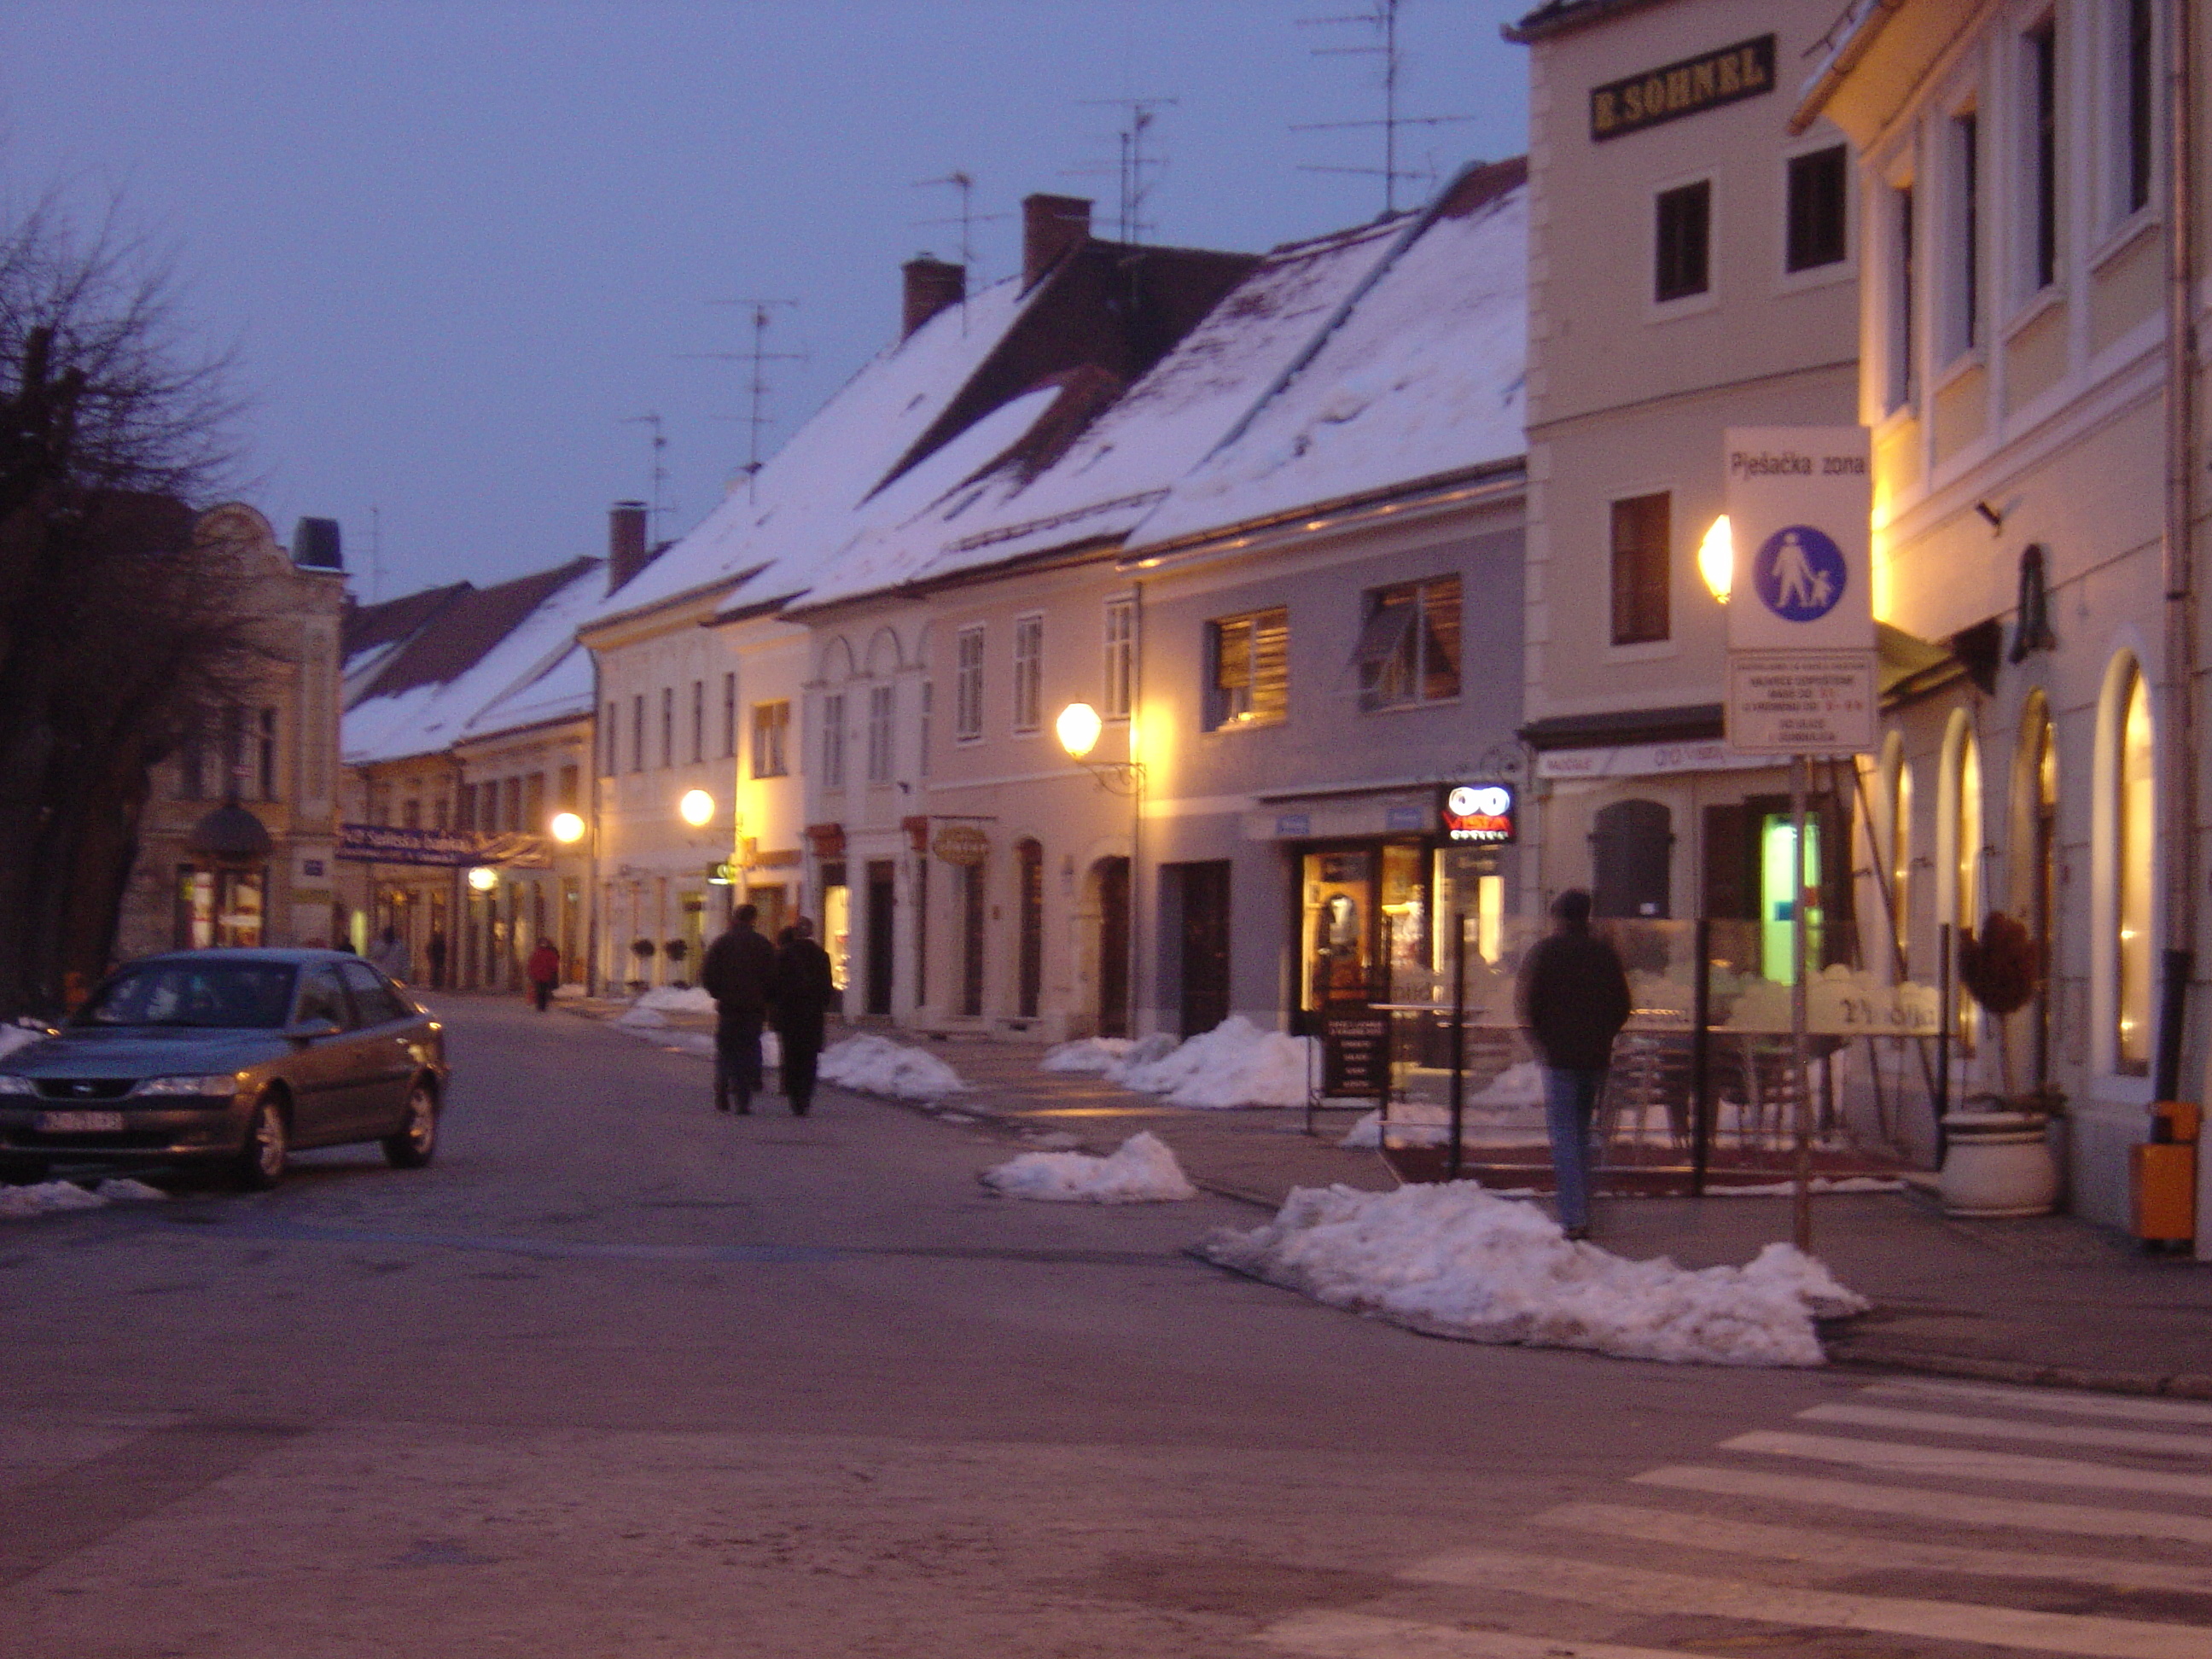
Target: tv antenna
[
  {"x": 1137, "y": 168},
  {"x": 660, "y": 466},
  {"x": 967, "y": 218},
  {"x": 1382, "y": 17},
  {"x": 755, "y": 357}
]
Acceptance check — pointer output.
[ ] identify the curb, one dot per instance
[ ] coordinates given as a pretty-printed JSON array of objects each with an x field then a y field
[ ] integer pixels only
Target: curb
[{"x": 2182, "y": 1385}]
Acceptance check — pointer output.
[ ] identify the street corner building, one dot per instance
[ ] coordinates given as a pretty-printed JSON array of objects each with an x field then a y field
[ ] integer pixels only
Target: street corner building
[{"x": 238, "y": 843}]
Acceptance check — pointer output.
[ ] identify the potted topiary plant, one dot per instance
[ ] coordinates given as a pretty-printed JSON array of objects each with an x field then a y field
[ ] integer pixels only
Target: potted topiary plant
[
  {"x": 676, "y": 950},
  {"x": 642, "y": 949},
  {"x": 1998, "y": 1160}
]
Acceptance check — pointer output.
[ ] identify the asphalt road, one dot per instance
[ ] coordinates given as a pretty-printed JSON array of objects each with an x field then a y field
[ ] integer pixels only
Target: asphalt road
[{"x": 619, "y": 1376}]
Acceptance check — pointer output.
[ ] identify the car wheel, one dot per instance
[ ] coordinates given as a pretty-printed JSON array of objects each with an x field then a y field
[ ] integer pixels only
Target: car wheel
[
  {"x": 268, "y": 1147},
  {"x": 415, "y": 1142}
]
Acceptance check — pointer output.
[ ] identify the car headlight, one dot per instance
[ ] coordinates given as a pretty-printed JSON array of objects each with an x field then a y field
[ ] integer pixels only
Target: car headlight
[
  {"x": 17, "y": 1085},
  {"x": 223, "y": 1084}
]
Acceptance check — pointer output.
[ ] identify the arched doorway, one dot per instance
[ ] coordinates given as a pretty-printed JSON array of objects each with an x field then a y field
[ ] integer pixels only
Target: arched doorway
[
  {"x": 2035, "y": 859},
  {"x": 1109, "y": 879},
  {"x": 1631, "y": 858}
]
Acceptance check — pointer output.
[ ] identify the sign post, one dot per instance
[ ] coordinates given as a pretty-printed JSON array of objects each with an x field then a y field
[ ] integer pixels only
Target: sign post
[{"x": 1801, "y": 674}]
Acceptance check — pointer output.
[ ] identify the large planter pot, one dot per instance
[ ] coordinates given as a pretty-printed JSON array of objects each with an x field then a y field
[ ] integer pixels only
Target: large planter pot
[{"x": 1998, "y": 1163}]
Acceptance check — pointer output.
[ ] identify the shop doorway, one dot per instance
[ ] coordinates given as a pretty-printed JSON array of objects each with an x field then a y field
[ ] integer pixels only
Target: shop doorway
[
  {"x": 1365, "y": 925},
  {"x": 837, "y": 923},
  {"x": 1203, "y": 953},
  {"x": 883, "y": 893},
  {"x": 1112, "y": 875},
  {"x": 1749, "y": 849},
  {"x": 971, "y": 938}
]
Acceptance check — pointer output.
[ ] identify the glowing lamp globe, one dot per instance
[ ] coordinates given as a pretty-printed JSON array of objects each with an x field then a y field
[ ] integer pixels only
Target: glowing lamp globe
[
  {"x": 1716, "y": 559},
  {"x": 484, "y": 879},
  {"x": 1079, "y": 727},
  {"x": 567, "y": 827},
  {"x": 696, "y": 807}
]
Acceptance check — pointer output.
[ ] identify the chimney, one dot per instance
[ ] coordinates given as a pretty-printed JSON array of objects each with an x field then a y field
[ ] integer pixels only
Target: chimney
[
  {"x": 626, "y": 549},
  {"x": 931, "y": 286},
  {"x": 315, "y": 544},
  {"x": 1051, "y": 225}
]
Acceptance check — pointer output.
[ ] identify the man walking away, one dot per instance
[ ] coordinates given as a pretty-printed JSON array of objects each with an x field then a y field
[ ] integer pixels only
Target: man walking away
[
  {"x": 738, "y": 973},
  {"x": 544, "y": 968},
  {"x": 1574, "y": 1001},
  {"x": 803, "y": 991}
]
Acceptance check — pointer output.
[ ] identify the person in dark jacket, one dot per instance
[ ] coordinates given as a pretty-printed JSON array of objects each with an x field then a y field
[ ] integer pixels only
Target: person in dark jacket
[
  {"x": 739, "y": 974},
  {"x": 1574, "y": 1001},
  {"x": 804, "y": 989}
]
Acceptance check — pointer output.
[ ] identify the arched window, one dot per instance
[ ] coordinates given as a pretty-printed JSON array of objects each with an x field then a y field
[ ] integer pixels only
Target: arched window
[
  {"x": 1959, "y": 844},
  {"x": 2034, "y": 845},
  {"x": 2135, "y": 812}
]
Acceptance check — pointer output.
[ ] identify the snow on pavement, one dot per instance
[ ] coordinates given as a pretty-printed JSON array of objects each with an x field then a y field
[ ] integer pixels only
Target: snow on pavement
[
  {"x": 53, "y": 1197},
  {"x": 1143, "y": 1170},
  {"x": 1234, "y": 1064},
  {"x": 684, "y": 999},
  {"x": 1456, "y": 1261},
  {"x": 876, "y": 1066}
]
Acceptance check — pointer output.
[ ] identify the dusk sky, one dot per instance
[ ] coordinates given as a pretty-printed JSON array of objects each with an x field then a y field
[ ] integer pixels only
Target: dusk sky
[{"x": 457, "y": 245}]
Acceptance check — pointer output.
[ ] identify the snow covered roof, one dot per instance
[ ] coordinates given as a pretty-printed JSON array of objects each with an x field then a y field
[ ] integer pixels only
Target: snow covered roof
[
  {"x": 801, "y": 505},
  {"x": 507, "y": 644},
  {"x": 1423, "y": 376}
]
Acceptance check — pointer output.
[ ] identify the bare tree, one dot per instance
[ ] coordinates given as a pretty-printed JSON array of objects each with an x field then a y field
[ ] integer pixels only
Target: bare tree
[{"x": 114, "y": 623}]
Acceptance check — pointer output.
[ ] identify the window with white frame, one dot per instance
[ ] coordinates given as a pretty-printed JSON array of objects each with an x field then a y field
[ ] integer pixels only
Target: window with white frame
[
  {"x": 771, "y": 734},
  {"x": 698, "y": 721},
  {"x": 1816, "y": 185},
  {"x": 1901, "y": 234},
  {"x": 637, "y": 732},
  {"x": 1682, "y": 241},
  {"x": 879, "y": 733},
  {"x": 968, "y": 686},
  {"x": 1409, "y": 649},
  {"x": 2038, "y": 112},
  {"x": 2132, "y": 144},
  {"x": 1962, "y": 234},
  {"x": 2135, "y": 808},
  {"x": 833, "y": 740},
  {"x": 1120, "y": 658},
  {"x": 667, "y": 725},
  {"x": 1029, "y": 672},
  {"x": 730, "y": 715},
  {"x": 928, "y": 709},
  {"x": 607, "y": 766}
]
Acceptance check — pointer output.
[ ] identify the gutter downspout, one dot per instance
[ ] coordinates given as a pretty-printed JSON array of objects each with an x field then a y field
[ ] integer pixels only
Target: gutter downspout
[
  {"x": 2178, "y": 827},
  {"x": 598, "y": 740}
]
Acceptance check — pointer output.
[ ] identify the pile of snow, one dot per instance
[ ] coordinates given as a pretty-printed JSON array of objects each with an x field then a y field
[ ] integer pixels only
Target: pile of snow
[
  {"x": 51, "y": 1197},
  {"x": 1456, "y": 1261},
  {"x": 639, "y": 1018},
  {"x": 877, "y": 1066},
  {"x": 569, "y": 992},
  {"x": 669, "y": 999},
  {"x": 1511, "y": 1097},
  {"x": 1143, "y": 1172},
  {"x": 1519, "y": 1084},
  {"x": 13, "y": 1038},
  {"x": 1234, "y": 1064},
  {"x": 1094, "y": 1055}
]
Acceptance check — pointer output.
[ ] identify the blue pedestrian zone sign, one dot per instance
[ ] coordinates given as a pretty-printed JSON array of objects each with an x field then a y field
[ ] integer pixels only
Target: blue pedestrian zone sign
[{"x": 1800, "y": 574}]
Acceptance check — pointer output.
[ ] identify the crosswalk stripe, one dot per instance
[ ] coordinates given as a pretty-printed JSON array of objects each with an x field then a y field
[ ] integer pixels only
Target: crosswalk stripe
[
  {"x": 2005, "y": 1428},
  {"x": 1961, "y": 1464},
  {"x": 1635, "y": 1589},
  {"x": 1849, "y": 1552},
  {"x": 2050, "y": 1400},
  {"x": 1965, "y": 1509},
  {"x": 1361, "y": 1636}
]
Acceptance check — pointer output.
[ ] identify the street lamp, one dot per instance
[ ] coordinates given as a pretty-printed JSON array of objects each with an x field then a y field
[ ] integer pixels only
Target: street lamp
[
  {"x": 695, "y": 808},
  {"x": 1716, "y": 559},
  {"x": 1078, "y": 728},
  {"x": 484, "y": 879},
  {"x": 568, "y": 828}
]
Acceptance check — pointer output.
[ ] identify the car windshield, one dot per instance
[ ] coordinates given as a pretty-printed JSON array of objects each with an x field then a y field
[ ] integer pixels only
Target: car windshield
[{"x": 219, "y": 995}]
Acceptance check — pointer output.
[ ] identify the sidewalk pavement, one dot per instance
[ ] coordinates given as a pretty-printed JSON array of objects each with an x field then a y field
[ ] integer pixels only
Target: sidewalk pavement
[{"x": 2046, "y": 1300}]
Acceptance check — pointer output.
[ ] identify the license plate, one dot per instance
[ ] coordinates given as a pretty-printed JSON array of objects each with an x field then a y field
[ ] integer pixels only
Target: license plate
[{"x": 79, "y": 1123}]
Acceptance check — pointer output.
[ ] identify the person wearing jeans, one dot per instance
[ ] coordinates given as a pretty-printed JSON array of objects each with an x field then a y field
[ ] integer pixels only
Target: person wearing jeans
[{"x": 1573, "y": 1001}]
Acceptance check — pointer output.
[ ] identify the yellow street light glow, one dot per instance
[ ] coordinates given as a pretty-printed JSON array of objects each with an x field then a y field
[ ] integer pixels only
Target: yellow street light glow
[
  {"x": 696, "y": 807},
  {"x": 1079, "y": 727},
  {"x": 1716, "y": 559},
  {"x": 484, "y": 879},
  {"x": 568, "y": 827}
]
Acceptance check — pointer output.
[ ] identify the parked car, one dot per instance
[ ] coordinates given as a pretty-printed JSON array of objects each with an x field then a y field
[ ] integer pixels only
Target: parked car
[{"x": 231, "y": 1058}]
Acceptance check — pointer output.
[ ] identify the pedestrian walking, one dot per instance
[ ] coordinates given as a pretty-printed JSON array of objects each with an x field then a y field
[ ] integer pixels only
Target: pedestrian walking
[
  {"x": 804, "y": 990},
  {"x": 738, "y": 972},
  {"x": 391, "y": 955},
  {"x": 543, "y": 969},
  {"x": 1573, "y": 1002},
  {"x": 434, "y": 951}
]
